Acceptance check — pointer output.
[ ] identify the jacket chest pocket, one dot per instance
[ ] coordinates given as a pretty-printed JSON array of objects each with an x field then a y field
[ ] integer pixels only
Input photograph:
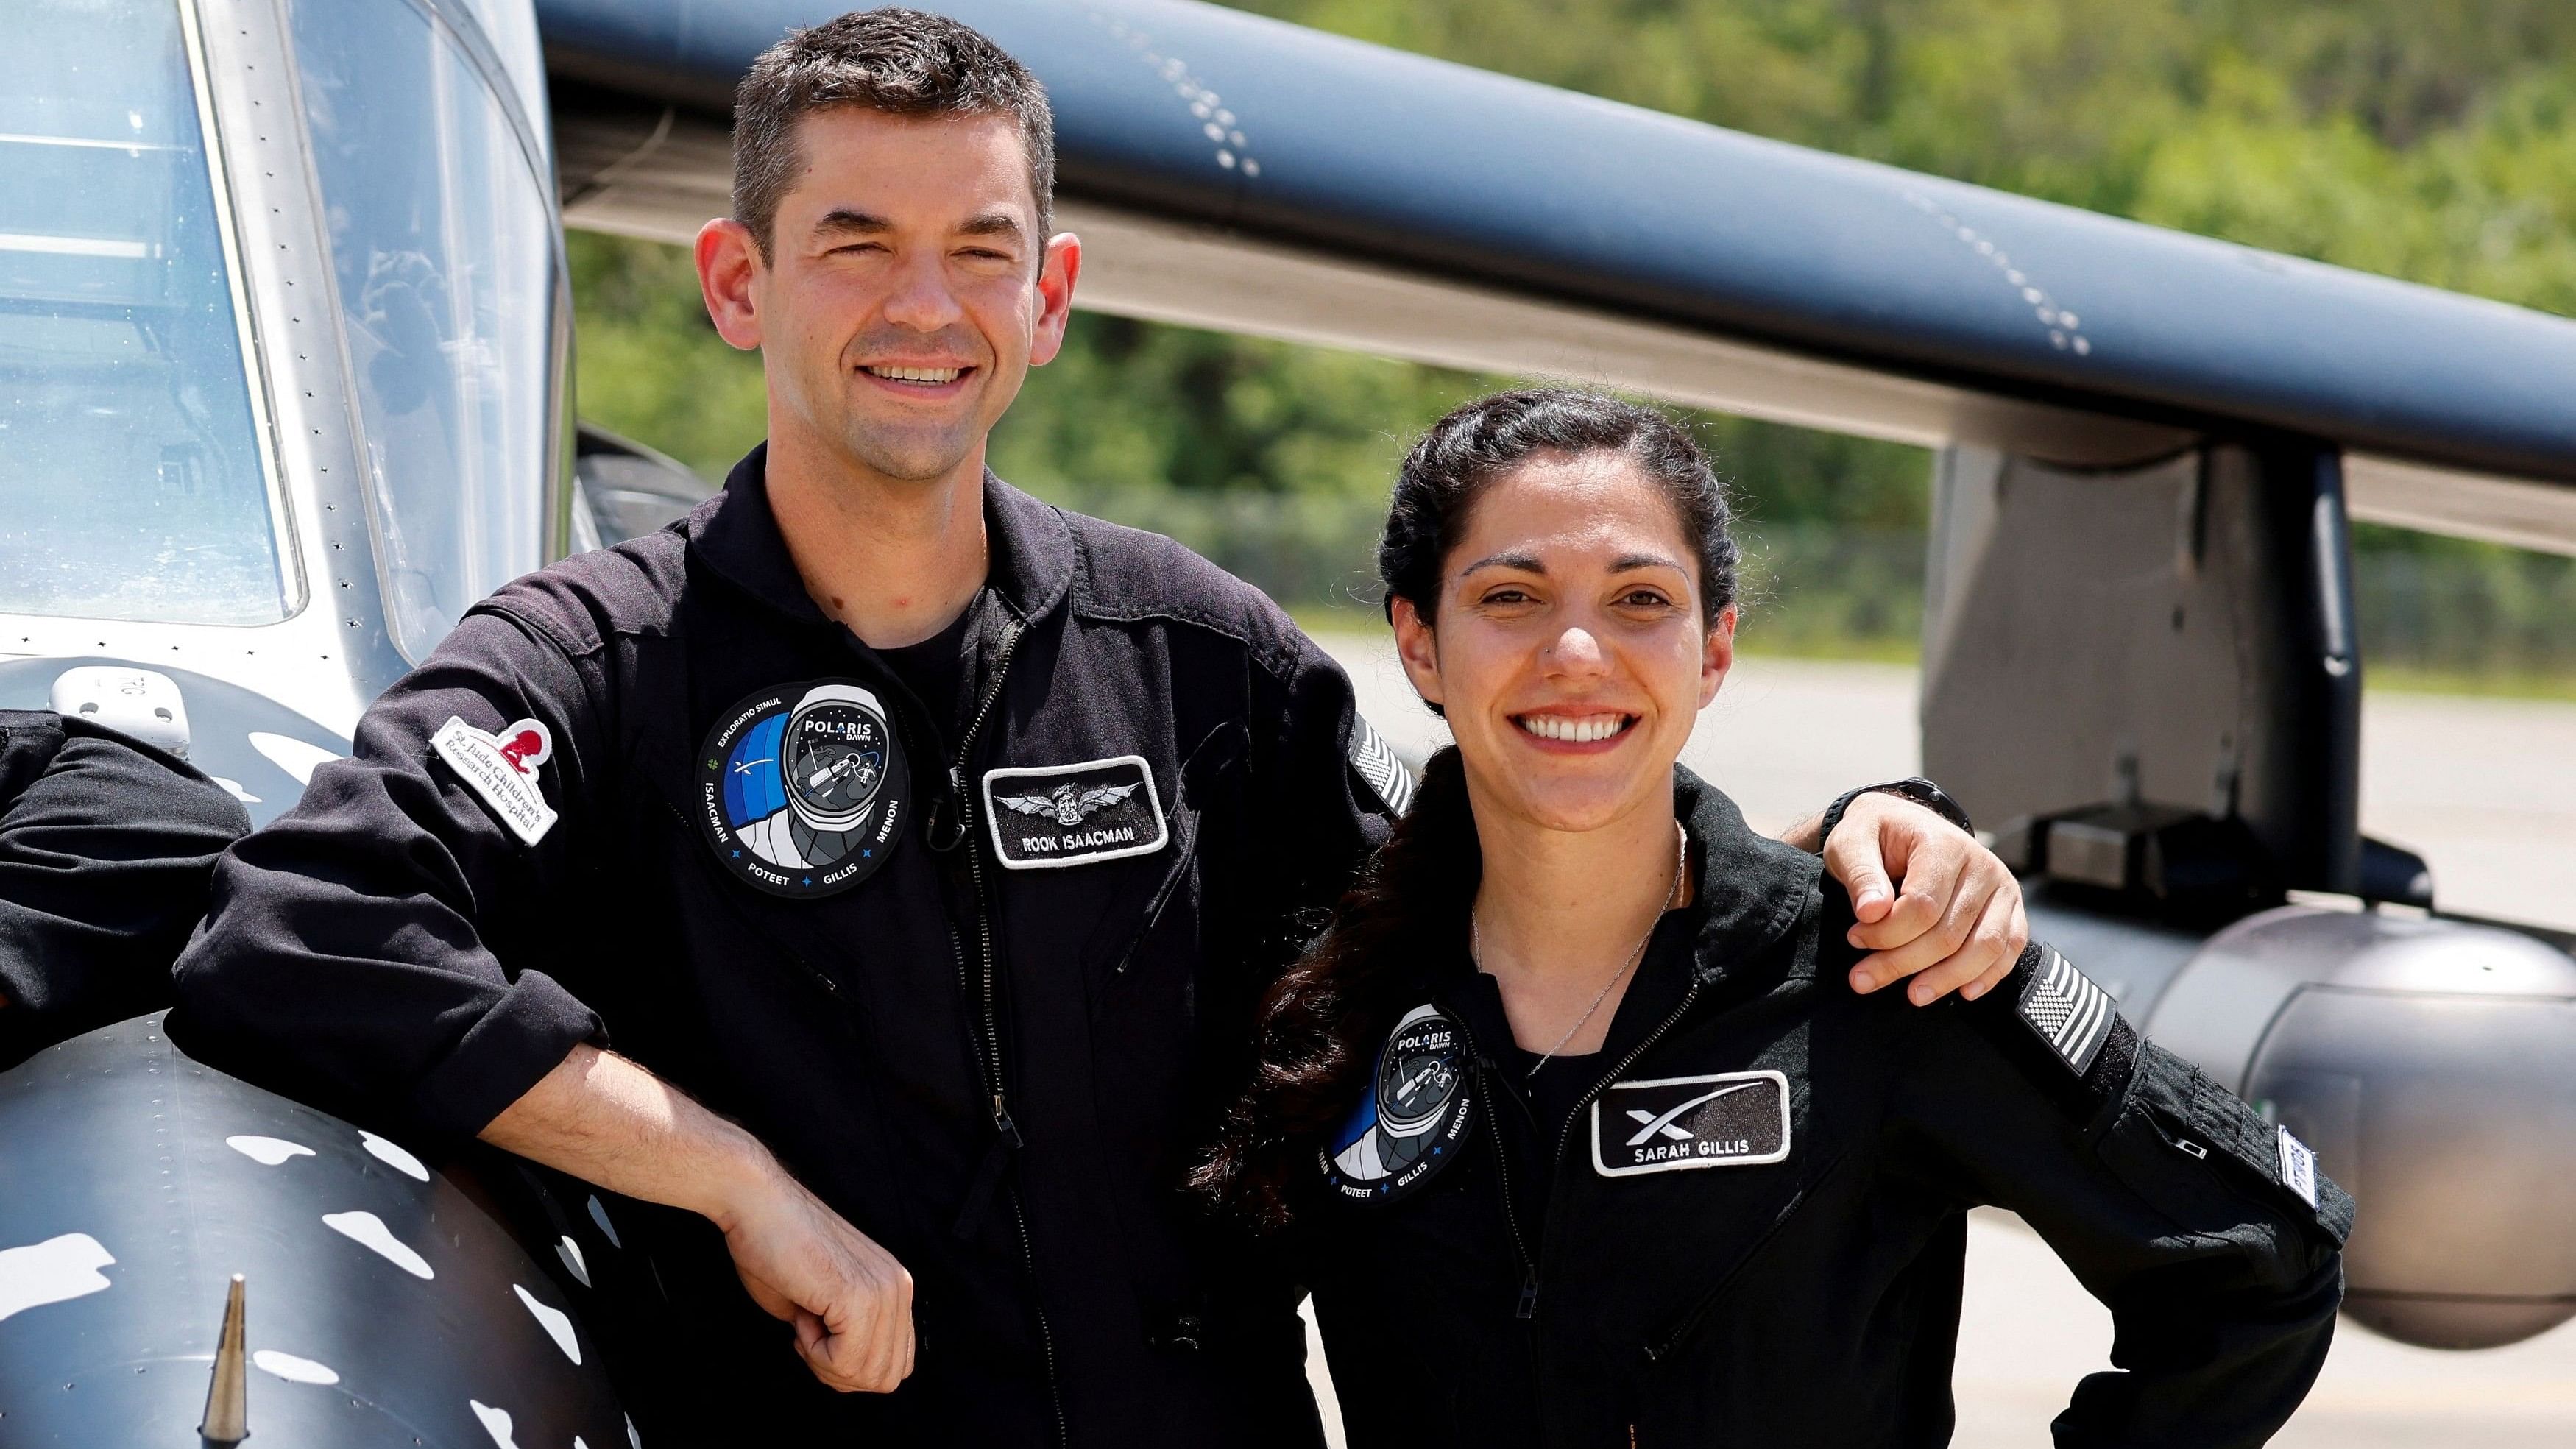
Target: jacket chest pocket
[{"x": 1144, "y": 942}]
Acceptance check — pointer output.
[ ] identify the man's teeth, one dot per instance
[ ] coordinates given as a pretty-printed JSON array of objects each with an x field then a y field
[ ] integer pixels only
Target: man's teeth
[
  {"x": 917, "y": 374},
  {"x": 1575, "y": 731}
]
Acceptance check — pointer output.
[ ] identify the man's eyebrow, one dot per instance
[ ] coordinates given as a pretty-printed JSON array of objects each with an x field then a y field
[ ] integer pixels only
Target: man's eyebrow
[
  {"x": 1525, "y": 562},
  {"x": 990, "y": 223},
  {"x": 842, "y": 221}
]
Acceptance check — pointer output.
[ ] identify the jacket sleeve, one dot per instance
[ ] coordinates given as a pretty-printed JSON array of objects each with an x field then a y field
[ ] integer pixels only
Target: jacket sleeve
[
  {"x": 105, "y": 850},
  {"x": 1334, "y": 781},
  {"x": 2206, "y": 1231},
  {"x": 370, "y": 950}
]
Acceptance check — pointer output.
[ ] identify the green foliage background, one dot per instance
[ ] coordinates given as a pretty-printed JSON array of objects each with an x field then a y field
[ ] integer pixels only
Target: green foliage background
[{"x": 2433, "y": 140}]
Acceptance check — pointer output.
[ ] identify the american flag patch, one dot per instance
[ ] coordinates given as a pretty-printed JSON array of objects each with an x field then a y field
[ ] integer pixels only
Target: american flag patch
[
  {"x": 1376, "y": 762},
  {"x": 2068, "y": 1011}
]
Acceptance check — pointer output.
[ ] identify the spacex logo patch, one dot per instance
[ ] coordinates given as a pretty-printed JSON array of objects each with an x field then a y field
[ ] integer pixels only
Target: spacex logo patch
[
  {"x": 1672, "y": 1124},
  {"x": 2068, "y": 1011}
]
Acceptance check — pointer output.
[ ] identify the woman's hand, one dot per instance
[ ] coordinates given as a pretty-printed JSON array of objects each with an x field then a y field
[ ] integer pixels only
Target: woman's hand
[{"x": 1933, "y": 904}]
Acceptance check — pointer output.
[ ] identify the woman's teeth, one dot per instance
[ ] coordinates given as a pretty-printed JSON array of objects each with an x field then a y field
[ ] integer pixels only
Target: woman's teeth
[
  {"x": 1582, "y": 731},
  {"x": 917, "y": 374}
]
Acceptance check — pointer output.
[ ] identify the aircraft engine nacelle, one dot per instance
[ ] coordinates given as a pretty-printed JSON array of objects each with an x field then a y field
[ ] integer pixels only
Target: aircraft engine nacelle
[
  {"x": 2430, "y": 1064},
  {"x": 385, "y": 1306}
]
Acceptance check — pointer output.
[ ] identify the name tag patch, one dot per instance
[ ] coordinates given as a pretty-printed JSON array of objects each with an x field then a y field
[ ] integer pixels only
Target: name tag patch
[
  {"x": 1046, "y": 817},
  {"x": 1674, "y": 1124},
  {"x": 2068, "y": 1011},
  {"x": 502, "y": 768},
  {"x": 2298, "y": 1168}
]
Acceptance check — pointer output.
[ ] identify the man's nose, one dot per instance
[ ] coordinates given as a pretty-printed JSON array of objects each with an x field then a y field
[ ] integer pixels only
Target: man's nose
[{"x": 921, "y": 300}]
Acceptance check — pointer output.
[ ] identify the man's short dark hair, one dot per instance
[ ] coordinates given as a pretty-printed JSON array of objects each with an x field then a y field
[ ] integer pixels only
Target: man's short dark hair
[{"x": 901, "y": 62}]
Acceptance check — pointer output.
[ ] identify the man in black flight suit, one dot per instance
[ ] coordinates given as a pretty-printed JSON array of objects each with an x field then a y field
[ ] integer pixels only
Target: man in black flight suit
[{"x": 922, "y": 846}]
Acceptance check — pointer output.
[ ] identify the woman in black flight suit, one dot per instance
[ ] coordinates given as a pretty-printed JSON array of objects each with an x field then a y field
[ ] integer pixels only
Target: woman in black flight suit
[{"x": 1584, "y": 1138}]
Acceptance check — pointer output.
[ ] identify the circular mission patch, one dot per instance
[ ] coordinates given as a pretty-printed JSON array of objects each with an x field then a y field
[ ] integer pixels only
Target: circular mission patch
[
  {"x": 1414, "y": 1118},
  {"x": 803, "y": 789}
]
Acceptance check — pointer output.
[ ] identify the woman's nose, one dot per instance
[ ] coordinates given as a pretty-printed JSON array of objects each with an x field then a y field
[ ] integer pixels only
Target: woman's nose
[{"x": 1576, "y": 651}]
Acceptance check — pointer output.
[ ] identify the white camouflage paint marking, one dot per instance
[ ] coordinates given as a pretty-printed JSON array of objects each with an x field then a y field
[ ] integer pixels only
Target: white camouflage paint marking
[
  {"x": 267, "y": 1151},
  {"x": 393, "y": 1156},
  {"x": 556, "y": 1322},
  {"x": 496, "y": 1422},
  {"x": 56, "y": 1270},
  {"x": 599, "y": 1215},
  {"x": 292, "y": 755},
  {"x": 570, "y": 1252},
  {"x": 293, "y": 1369},
  {"x": 370, "y": 1231}
]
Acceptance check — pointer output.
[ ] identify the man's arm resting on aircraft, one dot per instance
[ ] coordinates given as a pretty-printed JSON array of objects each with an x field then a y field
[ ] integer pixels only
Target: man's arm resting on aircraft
[
  {"x": 1952, "y": 917},
  {"x": 609, "y": 1121},
  {"x": 105, "y": 849}
]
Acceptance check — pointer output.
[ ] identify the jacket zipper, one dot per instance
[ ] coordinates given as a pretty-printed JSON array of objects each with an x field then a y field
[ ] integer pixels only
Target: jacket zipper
[{"x": 1002, "y": 1123}]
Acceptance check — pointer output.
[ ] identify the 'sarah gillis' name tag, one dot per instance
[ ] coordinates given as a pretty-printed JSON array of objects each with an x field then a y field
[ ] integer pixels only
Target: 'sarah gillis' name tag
[
  {"x": 1673, "y": 1124},
  {"x": 1044, "y": 817}
]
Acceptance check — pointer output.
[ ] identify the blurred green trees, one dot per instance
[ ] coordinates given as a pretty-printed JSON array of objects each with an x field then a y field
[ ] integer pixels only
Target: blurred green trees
[{"x": 2433, "y": 140}]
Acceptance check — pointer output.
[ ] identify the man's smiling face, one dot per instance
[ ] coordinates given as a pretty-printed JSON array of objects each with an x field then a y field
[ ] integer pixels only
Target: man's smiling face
[{"x": 907, "y": 289}]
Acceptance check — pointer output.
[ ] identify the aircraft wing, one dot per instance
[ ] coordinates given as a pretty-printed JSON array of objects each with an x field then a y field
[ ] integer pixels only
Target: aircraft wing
[{"x": 1345, "y": 194}]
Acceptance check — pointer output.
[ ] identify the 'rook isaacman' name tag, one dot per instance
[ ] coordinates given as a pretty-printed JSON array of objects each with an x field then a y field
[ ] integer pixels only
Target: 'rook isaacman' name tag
[
  {"x": 1049, "y": 816},
  {"x": 1672, "y": 1124}
]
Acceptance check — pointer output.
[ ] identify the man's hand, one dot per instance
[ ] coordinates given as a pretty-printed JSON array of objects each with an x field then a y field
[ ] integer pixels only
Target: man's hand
[
  {"x": 605, "y": 1119},
  {"x": 850, "y": 1300},
  {"x": 1952, "y": 920}
]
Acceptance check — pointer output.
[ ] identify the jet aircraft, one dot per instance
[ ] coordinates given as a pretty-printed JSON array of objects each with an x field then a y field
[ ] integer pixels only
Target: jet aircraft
[{"x": 286, "y": 328}]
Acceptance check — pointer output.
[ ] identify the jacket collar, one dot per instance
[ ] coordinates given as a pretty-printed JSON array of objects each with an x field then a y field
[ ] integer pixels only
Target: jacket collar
[
  {"x": 1749, "y": 890},
  {"x": 736, "y": 534}
]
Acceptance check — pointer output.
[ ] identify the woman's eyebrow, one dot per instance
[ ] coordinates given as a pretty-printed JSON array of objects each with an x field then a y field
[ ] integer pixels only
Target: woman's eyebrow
[
  {"x": 1628, "y": 561},
  {"x": 1525, "y": 562}
]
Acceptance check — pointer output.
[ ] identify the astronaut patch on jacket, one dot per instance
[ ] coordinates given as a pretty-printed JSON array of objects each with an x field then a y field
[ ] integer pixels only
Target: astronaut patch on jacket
[
  {"x": 1413, "y": 1119},
  {"x": 1671, "y": 1124}
]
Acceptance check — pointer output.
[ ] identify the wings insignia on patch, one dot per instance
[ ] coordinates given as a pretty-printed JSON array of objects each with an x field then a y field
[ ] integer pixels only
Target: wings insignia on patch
[
  {"x": 1376, "y": 762},
  {"x": 2068, "y": 1011},
  {"x": 1065, "y": 805}
]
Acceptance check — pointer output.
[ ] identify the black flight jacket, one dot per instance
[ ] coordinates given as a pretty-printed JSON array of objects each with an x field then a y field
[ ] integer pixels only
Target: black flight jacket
[
  {"x": 1750, "y": 1232},
  {"x": 991, "y": 1055}
]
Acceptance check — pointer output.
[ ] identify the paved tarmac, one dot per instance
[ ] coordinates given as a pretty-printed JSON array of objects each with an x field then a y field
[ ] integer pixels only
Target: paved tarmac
[{"x": 2484, "y": 789}]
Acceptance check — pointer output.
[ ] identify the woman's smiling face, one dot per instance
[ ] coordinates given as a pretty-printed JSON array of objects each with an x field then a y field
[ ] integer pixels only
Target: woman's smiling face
[{"x": 1567, "y": 647}]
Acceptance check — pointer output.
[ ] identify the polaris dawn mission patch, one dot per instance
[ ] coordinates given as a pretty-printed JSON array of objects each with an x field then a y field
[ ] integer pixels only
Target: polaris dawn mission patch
[
  {"x": 803, "y": 790},
  {"x": 1414, "y": 1118},
  {"x": 1046, "y": 816}
]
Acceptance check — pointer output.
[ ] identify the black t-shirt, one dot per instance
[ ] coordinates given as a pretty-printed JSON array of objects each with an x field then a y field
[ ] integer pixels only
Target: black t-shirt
[
  {"x": 935, "y": 668},
  {"x": 1553, "y": 1092}
]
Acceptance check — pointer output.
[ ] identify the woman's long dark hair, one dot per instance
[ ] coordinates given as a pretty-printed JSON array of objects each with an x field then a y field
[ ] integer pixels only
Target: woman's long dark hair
[{"x": 1319, "y": 1024}]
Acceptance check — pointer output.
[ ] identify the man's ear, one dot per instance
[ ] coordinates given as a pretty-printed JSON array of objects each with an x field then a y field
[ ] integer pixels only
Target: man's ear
[
  {"x": 729, "y": 271},
  {"x": 1418, "y": 648},
  {"x": 1717, "y": 655},
  {"x": 1056, "y": 272}
]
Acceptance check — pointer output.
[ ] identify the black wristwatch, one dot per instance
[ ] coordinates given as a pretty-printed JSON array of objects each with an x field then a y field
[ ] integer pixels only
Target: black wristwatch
[{"x": 1915, "y": 788}]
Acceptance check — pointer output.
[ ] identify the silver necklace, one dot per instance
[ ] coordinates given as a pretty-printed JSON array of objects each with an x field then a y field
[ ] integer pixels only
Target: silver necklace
[{"x": 1672, "y": 897}]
